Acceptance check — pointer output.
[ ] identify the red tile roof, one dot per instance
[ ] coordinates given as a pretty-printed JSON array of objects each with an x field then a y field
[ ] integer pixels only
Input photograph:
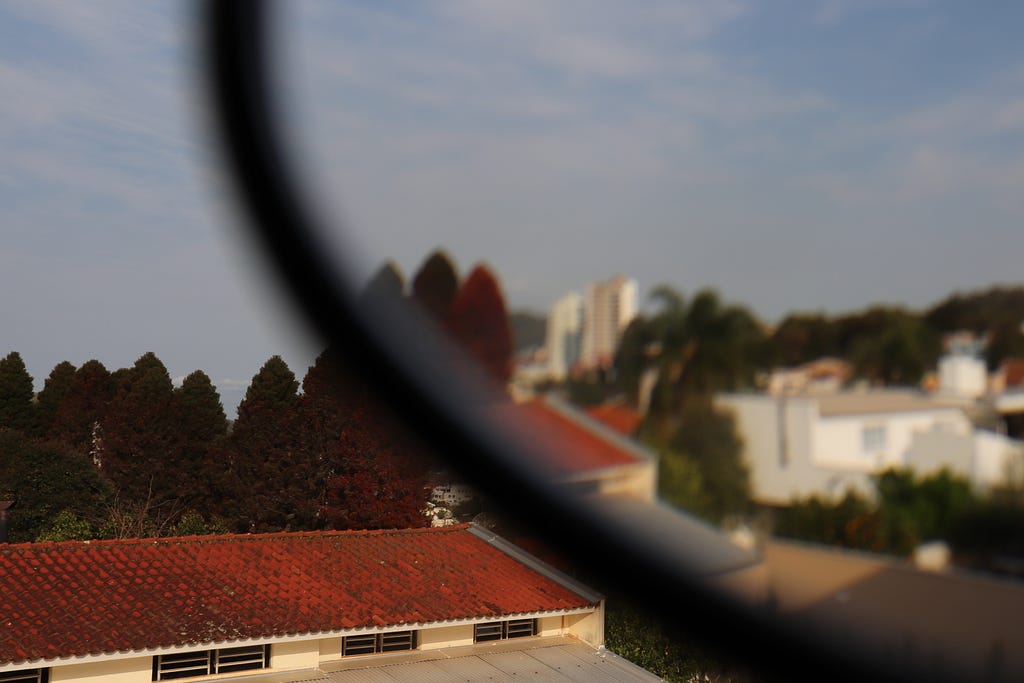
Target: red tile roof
[
  {"x": 1013, "y": 369},
  {"x": 87, "y": 598},
  {"x": 577, "y": 446},
  {"x": 618, "y": 417}
]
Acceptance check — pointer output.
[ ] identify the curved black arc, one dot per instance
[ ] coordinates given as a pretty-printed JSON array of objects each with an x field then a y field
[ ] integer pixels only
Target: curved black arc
[{"x": 237, "y": 60}]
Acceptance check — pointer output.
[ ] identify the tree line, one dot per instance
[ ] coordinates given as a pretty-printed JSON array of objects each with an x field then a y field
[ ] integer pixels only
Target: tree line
[{"x": 100, "y": 453}]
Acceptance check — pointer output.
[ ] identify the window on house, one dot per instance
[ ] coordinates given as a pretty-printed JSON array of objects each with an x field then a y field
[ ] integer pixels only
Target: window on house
[
  {"x": 873, "y": 439},
  {"x": 375, "y": 643},
  {"x": 208, "y": 662},
  {"x": 26, "y": 676},
  {"x": 503, "y": 630}
]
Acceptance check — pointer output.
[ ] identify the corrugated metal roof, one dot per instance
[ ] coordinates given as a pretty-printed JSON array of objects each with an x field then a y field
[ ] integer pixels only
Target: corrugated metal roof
[{"x": 558, "y": 660}]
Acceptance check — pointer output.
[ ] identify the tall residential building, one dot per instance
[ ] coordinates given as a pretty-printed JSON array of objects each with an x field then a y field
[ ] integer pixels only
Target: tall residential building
[
  {"x": 608, "y": 308},
  {"x": 564, "y": 335}
]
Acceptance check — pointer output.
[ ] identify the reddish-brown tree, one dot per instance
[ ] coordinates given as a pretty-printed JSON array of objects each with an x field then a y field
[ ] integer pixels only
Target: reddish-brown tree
[{"x": 479, "y": 321}]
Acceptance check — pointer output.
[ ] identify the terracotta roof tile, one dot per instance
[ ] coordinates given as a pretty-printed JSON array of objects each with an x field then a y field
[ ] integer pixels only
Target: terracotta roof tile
[
  {"x": 576, "y": 446},
  {"x": 87, "y": 598},
  {"x": 618, "y": 417}
]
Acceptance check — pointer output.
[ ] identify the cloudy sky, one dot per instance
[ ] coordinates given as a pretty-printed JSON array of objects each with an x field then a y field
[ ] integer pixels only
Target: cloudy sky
[{"x": 794, "y": 154}]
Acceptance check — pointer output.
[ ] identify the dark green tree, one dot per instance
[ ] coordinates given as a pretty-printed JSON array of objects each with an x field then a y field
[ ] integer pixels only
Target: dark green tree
[
  {"x": 55, "y": 390},
  {"x": 16, "y": 408},
  {"x": 46, "y": 478},
  {"x": 77, "y": 419},
  {"x": 804, "y": 337},
  {"x": 269, "y": 485},
  {"x": 387, "y": 284},
  {"x": 435, "y": 285},
  {"x": 143, "y": 436},
  {"x": 202, "y": 414},
  {"x": 897, "y": 351},
  {"x": 698, "y": 348},
  {"x": 1006, "y": 340}
]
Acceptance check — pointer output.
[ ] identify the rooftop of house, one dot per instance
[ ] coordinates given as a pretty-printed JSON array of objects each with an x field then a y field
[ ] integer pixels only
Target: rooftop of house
[
  {"x": 872, "y": 401},
  {"x": 82, "y": 598},
  {"x": 615, "y": 416},
  {"x": 580, "y": 443}
]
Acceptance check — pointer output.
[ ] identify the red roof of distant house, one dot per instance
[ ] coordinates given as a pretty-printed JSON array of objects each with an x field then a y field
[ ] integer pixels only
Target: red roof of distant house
[
  {"x": 577, "y": 446},
  {"x": 99, "y": 597},
  {"x": 616, "y": 416},
  {"x": 1013, "y": 371}
]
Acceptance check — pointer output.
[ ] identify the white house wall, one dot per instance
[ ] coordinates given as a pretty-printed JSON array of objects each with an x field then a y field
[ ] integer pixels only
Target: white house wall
[
  {"x": 779, "y": 442},
  {"x": 839, "y": 439}
]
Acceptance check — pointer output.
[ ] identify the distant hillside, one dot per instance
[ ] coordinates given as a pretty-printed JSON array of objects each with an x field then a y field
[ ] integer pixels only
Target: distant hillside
[{"x": 528, "y": 329}]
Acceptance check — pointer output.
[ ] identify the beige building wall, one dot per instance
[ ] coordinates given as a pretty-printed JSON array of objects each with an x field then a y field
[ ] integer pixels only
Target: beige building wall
[
  {"x": 447, "y": 636},
  {"x": 587, "y": 627},
  {"x": 299, "y": 654},
  {"x": 131, "y": 670}
]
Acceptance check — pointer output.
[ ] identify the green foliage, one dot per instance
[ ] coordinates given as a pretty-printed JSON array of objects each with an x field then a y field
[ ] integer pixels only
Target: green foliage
[
  {"x": 850, "y": 523},
  {"x": 1006, "y": 340},
  {"x": 55, "y": 391},
  {"x": 913, "y": 510},
  {"x": 910, "y": 510},
  {"x": 16, "y": 408},
  {"x": 804, "y": 337},
  {"x": 698, "y": 348},
  {"x": 143, "y": 436},
  {"x": 898, "y": 351},
  {"x": 680, "y": 482},
  {"x": 84, "y": 405},
  {"x": 655, "y": 646},
  {"x": 528, "y": 330},
  {"x": 977, "y": 311},
  {"x": 66, "y": 526},
  {"x": 191, "y": 523},
  {"x": 46, "y": 478},
  {"x": 202, "y": 414},
  {"x": 709, "y": 438}
]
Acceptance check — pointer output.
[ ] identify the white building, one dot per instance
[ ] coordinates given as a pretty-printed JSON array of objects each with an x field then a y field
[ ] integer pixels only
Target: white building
[
  {"x": 803, "y": 445},
  {"x": 962, "y": 375},
  {"x": 564, "y": 335},
  {"x": 608, "y": 308}
]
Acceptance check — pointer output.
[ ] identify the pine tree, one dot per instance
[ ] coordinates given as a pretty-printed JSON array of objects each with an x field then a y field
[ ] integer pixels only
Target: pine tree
[
  {"x": 202, "y": 414},
  {"x": 480, "y": 322},
  {"x": 142, "y": 432},
  {"x": 435, "y": 286},
  {"x": 269, "y": 487},
  {"x": 16, "y": 408},
  {"x": 83, "y": 407},
  {"x": 203, "y": 426},
  {"x": 386, "y": 284},
  {"x": 55, "y": 391}
]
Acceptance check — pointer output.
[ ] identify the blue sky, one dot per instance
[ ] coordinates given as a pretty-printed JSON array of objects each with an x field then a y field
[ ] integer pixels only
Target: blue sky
[{"x": 793, "y": 154}]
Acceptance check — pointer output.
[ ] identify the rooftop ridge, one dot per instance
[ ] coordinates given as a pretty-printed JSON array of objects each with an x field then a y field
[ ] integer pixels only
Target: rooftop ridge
[{"x": 223, "y": 538}]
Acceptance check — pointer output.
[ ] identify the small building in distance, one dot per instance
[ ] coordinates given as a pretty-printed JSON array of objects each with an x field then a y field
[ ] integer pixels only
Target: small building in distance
[{"x": 313, "y": 606}]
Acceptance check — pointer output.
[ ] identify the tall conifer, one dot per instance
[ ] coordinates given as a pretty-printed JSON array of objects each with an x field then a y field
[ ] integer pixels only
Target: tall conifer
[{"x": 16, "y": 408}]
